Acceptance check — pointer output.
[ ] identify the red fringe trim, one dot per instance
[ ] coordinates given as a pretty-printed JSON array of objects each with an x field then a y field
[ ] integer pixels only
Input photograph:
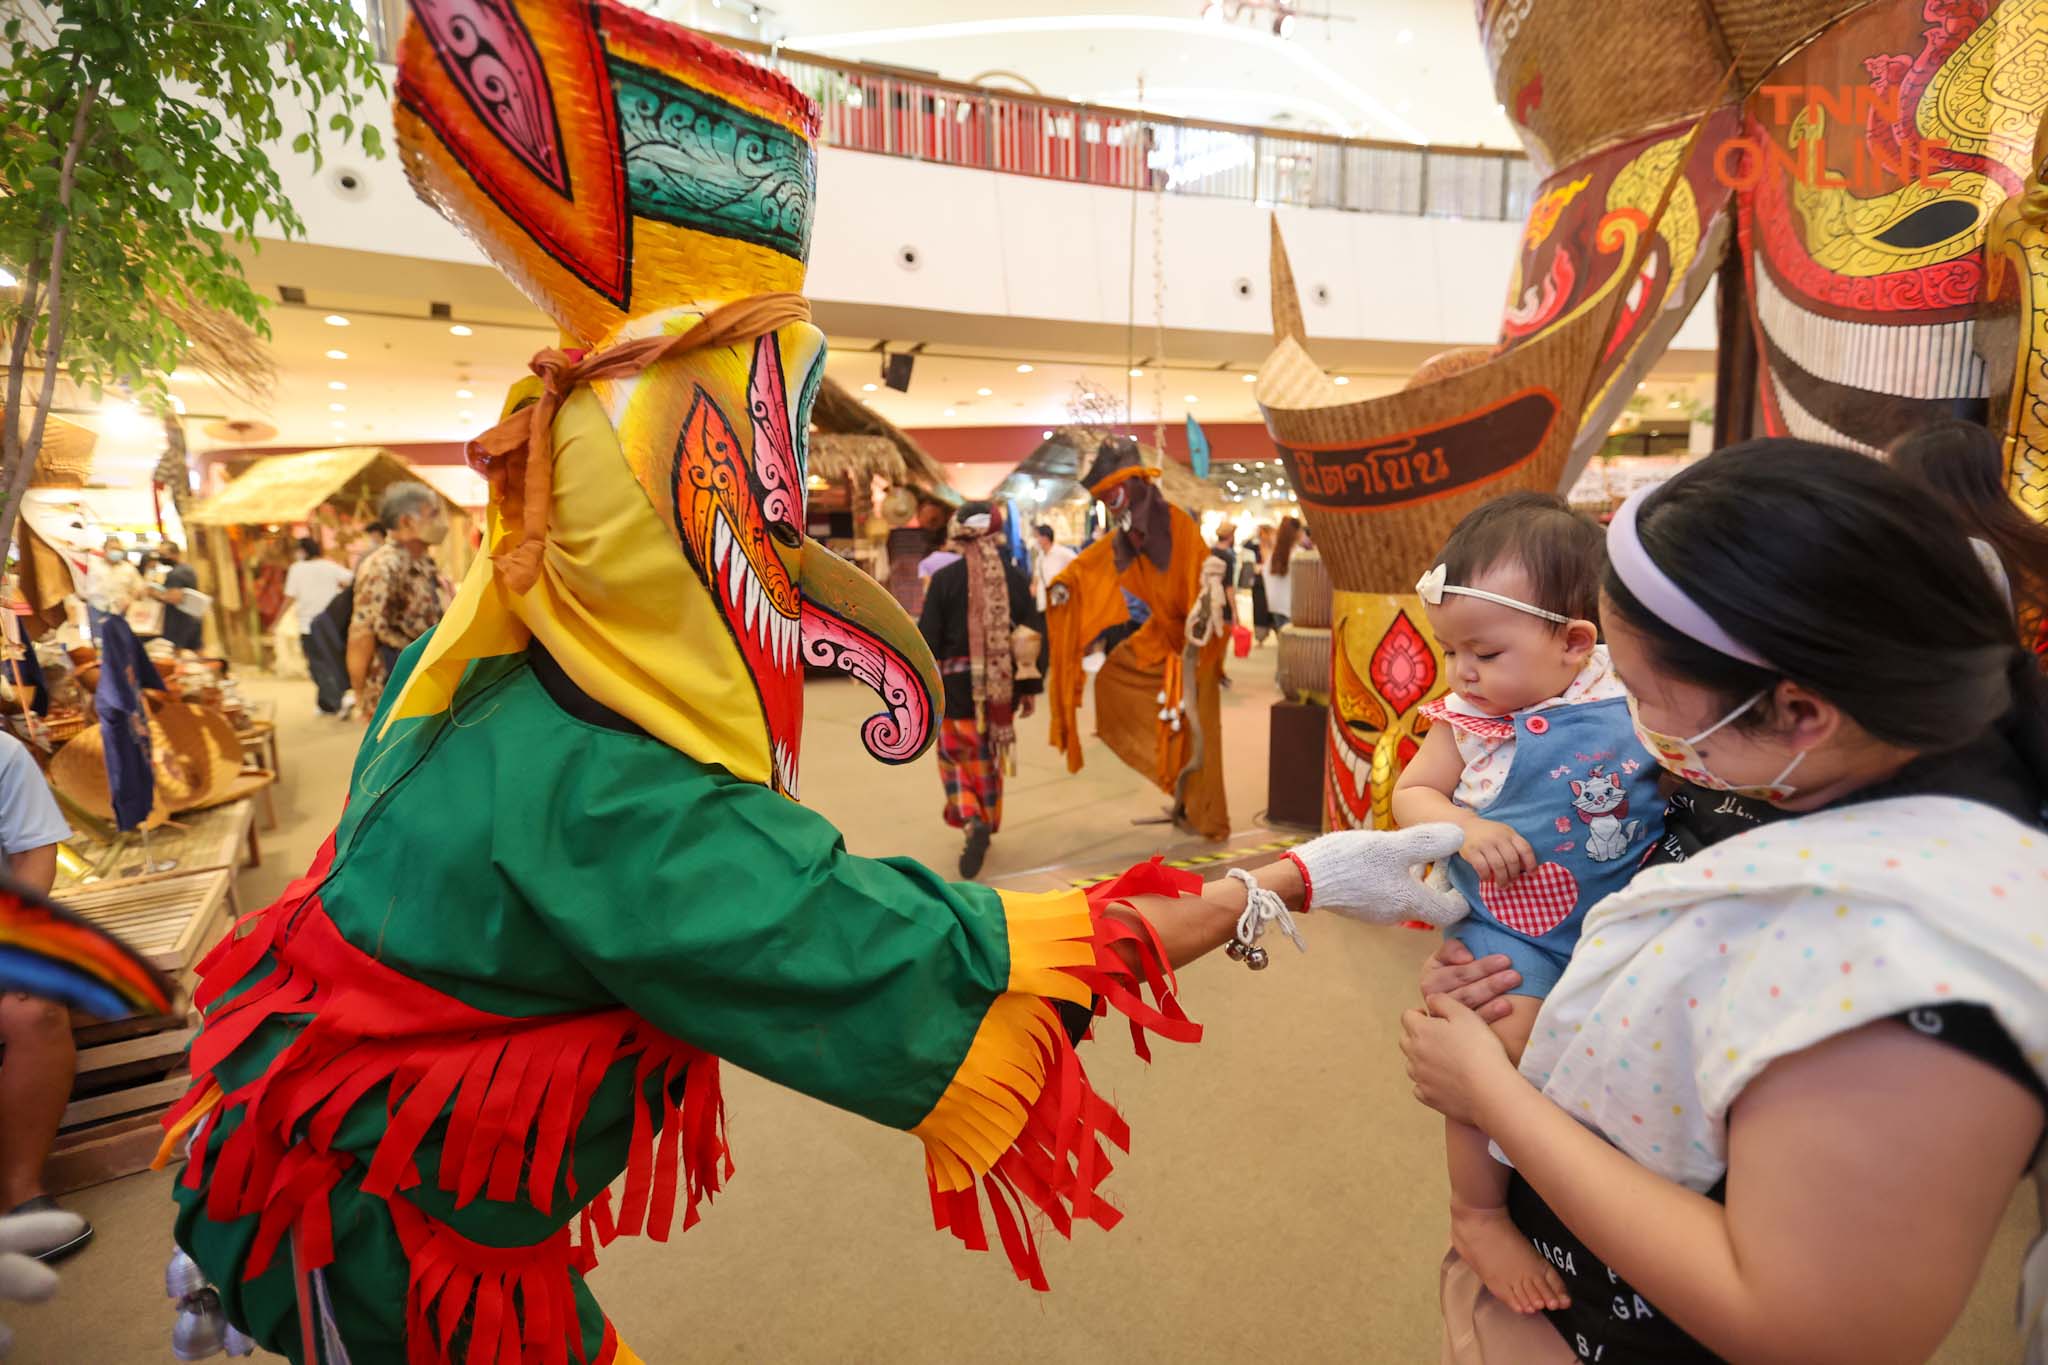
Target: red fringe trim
[
  {"x": 1058, "y": 1160},
  {"x": 509, "y": 1092}
]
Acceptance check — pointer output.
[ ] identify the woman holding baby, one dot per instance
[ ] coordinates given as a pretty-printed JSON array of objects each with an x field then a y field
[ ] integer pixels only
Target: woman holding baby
[{"x": 1776, "y": 1104}]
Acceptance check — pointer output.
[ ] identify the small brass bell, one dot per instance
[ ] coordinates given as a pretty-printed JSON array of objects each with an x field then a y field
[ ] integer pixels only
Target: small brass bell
[
  {"x": 1257, "y": 959},
  {"x": 1235, "y": 950}
]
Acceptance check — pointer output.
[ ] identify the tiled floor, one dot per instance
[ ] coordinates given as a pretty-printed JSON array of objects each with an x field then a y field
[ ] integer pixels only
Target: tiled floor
[{"x": 1284, "y": 1198}]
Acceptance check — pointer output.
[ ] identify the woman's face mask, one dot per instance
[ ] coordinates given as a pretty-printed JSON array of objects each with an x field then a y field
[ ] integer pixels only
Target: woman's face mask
[{"x": 1682, "y": 756}]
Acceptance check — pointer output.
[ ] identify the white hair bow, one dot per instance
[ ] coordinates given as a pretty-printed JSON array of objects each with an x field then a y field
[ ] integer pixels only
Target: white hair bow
[{"x": 1430, "y": 587}]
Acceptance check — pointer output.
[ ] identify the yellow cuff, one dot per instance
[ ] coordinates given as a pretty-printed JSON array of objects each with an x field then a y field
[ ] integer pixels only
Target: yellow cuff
[{"x": 989, "y": 1098}]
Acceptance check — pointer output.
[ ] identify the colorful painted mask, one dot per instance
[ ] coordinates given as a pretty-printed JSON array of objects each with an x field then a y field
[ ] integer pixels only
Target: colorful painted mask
[
  {"x": 687, "y": 191},
  {"x": 1850, "y": 156}
]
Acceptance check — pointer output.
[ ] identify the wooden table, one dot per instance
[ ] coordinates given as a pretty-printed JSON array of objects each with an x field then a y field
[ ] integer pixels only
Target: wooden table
[{"x": 196, "y": 841}]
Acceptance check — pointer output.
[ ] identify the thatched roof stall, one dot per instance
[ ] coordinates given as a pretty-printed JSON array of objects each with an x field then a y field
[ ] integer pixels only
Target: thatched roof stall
[
  {"x": 286, "y": 490},
  {"x": 853, "y": 441},
  {"x": 1056, "y": 464}
]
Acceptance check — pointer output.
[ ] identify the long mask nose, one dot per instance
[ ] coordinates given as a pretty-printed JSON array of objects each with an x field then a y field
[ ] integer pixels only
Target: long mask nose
[{"x": 852, "y": 624}]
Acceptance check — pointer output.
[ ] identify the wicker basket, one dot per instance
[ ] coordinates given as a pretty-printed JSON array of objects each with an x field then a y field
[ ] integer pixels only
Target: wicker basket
[
  {"x": 1304, "y": 665},
  {"x": 1309, "y": 593}
]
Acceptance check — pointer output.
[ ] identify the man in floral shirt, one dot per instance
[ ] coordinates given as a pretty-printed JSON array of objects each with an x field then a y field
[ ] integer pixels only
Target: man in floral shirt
[{"x": 398, "y": 595}]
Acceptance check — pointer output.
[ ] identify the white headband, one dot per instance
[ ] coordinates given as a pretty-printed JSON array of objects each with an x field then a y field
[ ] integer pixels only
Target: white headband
[
  {"x": 1432, "y": 590},
  {"x": 1661, "y": 597}
]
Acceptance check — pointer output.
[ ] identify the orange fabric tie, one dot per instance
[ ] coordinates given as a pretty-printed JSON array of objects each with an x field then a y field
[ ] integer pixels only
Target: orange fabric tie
[{"x": 518, "y": 454}]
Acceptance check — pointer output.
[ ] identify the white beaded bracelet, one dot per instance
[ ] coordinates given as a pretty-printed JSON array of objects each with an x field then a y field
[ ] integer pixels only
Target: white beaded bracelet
[{"x": 1261, "y": 908}]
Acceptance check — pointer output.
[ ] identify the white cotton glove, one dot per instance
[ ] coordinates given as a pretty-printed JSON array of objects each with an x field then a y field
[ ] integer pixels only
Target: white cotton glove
[
  {"x": 24, "y": 1279},
  {"x": 1374, "y": 875}
]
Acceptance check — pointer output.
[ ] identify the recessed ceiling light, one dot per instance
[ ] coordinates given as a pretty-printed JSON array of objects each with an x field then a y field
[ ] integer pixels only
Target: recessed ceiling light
[
  {"x": 948, "y": 413},
  {"x": 466, "y": 415},
  {"x": 337, "y": 424},
  {"x": 1342, "y": 379},
  {"x": 464, "y": 393},
  {"x": 335, "y": 320},
  {"x": 336, "y": 385},
  {"x": 458, "y": 330},
  {"x": 337, "y": 407},
  {"x": 1192, "y": 399},
  {"x": 1024, "y": 369},
  {"x": 1137, "y": 373},
  {"x": 1247, "y": 378},
  {"x": 1405, "y": 36},
  {"x": 984, "y": 392},
  {"x": 869, "y": 388},
  {"x": 337, "y": 355}
]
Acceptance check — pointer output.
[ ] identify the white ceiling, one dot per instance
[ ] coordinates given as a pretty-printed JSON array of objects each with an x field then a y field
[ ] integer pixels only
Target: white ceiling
[{"x": 1404, "y": 70}]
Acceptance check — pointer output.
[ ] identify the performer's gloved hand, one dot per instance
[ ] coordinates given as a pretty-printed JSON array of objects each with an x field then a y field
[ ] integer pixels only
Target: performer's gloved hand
[
  {"x": 1374, "y": 875},
  {"x": 24, "y": 1279}
]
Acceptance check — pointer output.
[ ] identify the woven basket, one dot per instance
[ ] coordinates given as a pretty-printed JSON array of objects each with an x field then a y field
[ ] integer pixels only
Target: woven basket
[
  {"x": 1304, "y": 666},
  {"x": 1309, "y": 593}
]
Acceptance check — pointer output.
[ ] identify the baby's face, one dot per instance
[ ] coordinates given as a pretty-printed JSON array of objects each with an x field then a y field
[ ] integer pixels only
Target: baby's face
[{"x": 1502, "y": 660}]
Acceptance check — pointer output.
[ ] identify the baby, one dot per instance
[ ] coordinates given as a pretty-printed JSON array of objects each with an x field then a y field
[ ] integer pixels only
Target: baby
[{"x": 1535, "y": 758}]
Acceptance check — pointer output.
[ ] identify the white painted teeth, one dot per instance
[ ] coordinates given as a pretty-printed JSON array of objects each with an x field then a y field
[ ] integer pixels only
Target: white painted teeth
[
  {"x": 777, "y": 634},
  {"x": 785, "y": 768}
]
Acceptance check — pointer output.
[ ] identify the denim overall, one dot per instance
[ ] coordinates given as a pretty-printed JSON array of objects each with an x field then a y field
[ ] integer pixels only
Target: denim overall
[{"x": 1583, "y": 791}]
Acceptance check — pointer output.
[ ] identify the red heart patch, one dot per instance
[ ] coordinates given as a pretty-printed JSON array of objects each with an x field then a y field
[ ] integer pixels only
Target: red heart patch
[{"x": 1535, "y": 902}]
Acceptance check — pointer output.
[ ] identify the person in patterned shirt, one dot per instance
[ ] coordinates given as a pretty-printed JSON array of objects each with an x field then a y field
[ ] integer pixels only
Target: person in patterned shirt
[{"x": 398, "y": 595}]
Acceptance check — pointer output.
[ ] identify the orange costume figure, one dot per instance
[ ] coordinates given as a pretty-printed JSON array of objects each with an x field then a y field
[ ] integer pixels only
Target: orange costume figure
[{"x": 1142, "y": 707}]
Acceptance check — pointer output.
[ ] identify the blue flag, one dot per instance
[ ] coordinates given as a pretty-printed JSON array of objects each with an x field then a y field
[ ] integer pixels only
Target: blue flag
[
  {"x": 124, "y": 721},
  {"x": 1198, "y": 448}
]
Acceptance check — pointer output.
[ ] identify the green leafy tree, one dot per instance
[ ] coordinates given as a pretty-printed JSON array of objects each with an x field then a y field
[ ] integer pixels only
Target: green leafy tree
[{"x": 135, "y": 150}]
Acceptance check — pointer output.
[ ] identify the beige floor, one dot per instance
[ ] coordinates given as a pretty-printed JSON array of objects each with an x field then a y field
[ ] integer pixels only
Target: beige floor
[{"x": 1284, "y": 1199}]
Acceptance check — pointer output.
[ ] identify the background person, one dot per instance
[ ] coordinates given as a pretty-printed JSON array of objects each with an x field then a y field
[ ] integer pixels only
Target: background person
[
  {"x": 311, "y": 586},
  {"x": 971, "y": 609},
  {"x": 397, "y": 588},
  {"x": 40, "y": 1060},
  {"x": 1048, "y": 562},
  {"x": 1798, "y": 623},
  {"x": 1279, "y": 588},
  {"x": 180, "y": 627}
]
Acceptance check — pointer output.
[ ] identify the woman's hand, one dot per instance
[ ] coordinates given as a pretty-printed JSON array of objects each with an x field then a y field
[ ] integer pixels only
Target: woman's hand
[
  {"x": 1480, "y": 985},
  {"x": 1454, "y": 1059}
]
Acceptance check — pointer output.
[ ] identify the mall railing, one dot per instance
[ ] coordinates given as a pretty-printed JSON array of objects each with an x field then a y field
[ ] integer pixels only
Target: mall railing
[{"x": 869, "y": 108}]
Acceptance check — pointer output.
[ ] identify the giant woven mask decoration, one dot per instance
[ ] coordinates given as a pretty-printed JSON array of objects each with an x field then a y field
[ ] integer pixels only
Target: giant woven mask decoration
[
  {"x": 634, "y": 180},
  {"x": 1853, "y": 155}
]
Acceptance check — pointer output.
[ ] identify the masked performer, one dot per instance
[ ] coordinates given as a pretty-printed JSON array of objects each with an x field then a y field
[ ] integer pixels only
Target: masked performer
[
  {"x": 1157, "y": 696},
  {"x": 570, "y": 877},
  {"x": 981, "y": 622}
]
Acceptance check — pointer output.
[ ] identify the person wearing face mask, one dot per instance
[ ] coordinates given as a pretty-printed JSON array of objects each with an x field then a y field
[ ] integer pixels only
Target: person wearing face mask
[
  {"x": 1772, "y": 1065},
  {"x": 398, "y": 594}
]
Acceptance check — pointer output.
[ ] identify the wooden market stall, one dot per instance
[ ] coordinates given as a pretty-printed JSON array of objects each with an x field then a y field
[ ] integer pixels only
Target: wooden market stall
[{"x": 243, "y": 535}]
